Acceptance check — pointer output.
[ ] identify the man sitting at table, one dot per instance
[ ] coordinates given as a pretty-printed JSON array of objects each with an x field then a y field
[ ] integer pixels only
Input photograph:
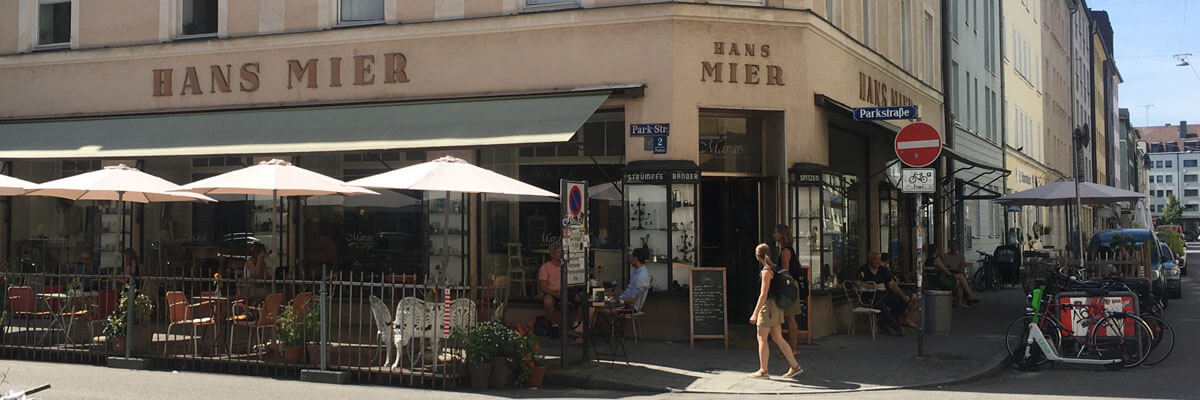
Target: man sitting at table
[
  {"x": 550, "y": 285},
  {"x": 895, "y": 302},
  {"x": 639, "y": 283},
  {"x": 86, "y": 267}
]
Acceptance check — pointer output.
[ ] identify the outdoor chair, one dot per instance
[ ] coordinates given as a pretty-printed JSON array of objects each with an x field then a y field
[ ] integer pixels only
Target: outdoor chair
[
  {"x": 22, "y": 304},
  {"x": 851, "y": 290},
  {"x": 385, "y": 329},
  {"x": 517, "y": 274},
  {"x": 179, "y": 310},
  {"x": 267, "y": 317},
  {"x": 301, "y": 299},
  {"x": 418, "y": 319},
  {"x": 636, "y": 314},
  {"x": 497, "y": 299}
]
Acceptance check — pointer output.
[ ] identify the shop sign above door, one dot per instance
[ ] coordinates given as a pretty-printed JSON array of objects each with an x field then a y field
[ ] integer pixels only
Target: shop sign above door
[
  {"x": 747, "y": 68},
  {"x": 918, "y": 144},
  {"x": 310, "y": 73}
]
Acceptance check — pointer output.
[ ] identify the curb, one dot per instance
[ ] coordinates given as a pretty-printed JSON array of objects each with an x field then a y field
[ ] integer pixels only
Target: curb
[{"x": 996, "y": 363}]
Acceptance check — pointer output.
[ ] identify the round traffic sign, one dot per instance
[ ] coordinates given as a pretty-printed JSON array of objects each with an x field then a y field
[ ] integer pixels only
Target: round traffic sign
[
  {"x": 575, "y": 201},
  {"x": 918, "y": 144}
]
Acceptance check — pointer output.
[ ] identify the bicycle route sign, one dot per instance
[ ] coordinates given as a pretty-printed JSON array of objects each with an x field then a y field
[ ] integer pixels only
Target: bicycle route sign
[
  {"x": 918, "y": 144},
  {"x": 918, "y": 180}
]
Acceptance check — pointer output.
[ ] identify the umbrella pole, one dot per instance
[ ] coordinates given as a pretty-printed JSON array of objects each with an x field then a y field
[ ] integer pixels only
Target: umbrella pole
[
  {"x": 278, "y": 235},
  {"x": 130, "y": 300},
  {"x": 446, "y": 238}
]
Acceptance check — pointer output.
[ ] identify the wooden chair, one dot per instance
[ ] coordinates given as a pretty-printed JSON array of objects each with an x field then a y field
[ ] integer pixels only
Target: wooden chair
[
  {"x": 179, "y": 310},
  {"x": 268, "y": 315},
  {"x": 850, "y": 289},
  {"x": 517, "y": 274}
]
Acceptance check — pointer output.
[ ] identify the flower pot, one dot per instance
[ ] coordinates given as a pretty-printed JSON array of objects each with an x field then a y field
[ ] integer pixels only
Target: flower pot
[
  {"x": 143, "y": 335},
  {"x": 536, "y": 375},
  {"x": 292, "y": 353},
  {"x": 500, "y": 373},
  {"x": 480, "y": 374}
]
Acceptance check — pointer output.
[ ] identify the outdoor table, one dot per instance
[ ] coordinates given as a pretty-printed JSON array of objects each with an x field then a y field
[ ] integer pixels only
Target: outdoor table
[
  {"x": 64, "y": 315},
  {"x": 616, "y": 334},
  {"x": 219, "y": 309}
]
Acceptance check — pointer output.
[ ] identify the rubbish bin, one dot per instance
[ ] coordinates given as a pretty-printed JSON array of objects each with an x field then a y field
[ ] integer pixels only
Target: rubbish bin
[{"x": 938, "y": 307}]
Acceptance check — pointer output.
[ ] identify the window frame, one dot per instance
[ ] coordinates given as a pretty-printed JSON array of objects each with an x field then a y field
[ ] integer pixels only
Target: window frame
[
  {"x": 1194, "y": 163},
  {"x": 1169, "y": 164},
  {"x": 342, "y": 23},
  {"x": 37, "y": 26},
  {"x": 868, "y": 29},
  {"x": 179, "y": 24}
]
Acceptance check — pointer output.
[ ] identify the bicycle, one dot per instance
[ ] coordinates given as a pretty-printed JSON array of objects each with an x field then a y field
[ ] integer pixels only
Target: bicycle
[
  {"x": 986, "y": 277},
  {"x": 1107, "y": 333},
  {"x": 1035, "y": 349}
]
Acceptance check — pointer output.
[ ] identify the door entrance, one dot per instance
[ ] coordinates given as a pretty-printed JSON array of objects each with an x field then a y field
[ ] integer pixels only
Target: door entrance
[{"x": 730, "y": 227}]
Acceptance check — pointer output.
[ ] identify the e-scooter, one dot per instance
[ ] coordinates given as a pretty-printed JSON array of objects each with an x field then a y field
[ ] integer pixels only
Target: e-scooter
[{"x": 1036, "y": 347}]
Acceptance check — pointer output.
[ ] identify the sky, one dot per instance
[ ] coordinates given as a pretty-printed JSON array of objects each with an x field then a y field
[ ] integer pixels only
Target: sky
[{"x": 1146, "y": 35}]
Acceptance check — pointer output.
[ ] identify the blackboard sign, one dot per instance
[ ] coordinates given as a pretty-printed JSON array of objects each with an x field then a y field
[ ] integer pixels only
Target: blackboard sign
[{"x": 707, "y": 303}]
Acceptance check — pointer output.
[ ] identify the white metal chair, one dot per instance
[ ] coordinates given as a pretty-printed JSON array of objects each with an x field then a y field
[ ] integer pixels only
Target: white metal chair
[
  {"x": 383, "y": 323},
  {"x": 637, "y": 313},
  {"x": 851, "y": 289}
]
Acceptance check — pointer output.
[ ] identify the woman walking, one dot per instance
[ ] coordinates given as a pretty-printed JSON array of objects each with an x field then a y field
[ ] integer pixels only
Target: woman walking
[
  {"x": 767, "y": 316},
  {"x": 788, "y": 260}
]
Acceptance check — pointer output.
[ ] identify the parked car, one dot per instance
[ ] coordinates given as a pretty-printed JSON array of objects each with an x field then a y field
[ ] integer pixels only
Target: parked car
[
  {"x": 1171, "y": 271},
  {"x": 1110, "y": 241}
]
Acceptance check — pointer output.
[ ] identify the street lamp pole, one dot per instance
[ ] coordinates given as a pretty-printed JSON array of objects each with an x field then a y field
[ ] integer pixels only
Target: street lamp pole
[{"x": 1077, "y": 137}]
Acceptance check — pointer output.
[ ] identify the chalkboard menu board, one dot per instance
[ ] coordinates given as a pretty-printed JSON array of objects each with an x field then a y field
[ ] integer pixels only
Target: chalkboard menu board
[
  {"x": 803, "y": 279},
  {"x": 707, "y": 302}
]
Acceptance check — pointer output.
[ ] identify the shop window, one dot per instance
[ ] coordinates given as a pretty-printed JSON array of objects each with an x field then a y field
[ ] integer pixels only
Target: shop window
[
  {"x": 1189, "y": 163},
  {"x": 199, "y": 17},
  {"x": 360, "y": 11},
  {"x": 731, "y": 144},
  {"x": 76, "y": 167},
  {"x": 54, "y": 22}
]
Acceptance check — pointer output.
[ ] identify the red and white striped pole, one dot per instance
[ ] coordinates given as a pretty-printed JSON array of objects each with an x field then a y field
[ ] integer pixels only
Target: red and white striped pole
[{"x": 446, "y": 313}]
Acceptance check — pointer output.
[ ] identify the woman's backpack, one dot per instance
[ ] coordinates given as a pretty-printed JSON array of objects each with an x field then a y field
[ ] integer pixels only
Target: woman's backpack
[{"x": 784, "y": 289}]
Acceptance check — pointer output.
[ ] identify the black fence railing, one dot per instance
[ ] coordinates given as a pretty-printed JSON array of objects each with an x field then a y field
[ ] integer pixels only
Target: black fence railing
[{"x": 379, "y": 328}]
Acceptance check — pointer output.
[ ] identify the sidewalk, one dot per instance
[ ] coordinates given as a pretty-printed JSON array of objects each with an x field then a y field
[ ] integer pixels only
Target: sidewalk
[{"x": 974, "y": 347}]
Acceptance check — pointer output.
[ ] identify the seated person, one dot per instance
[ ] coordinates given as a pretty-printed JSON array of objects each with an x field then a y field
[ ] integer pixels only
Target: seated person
[
  {"x": 86, "y": 267},
  {"x": 639, "y": 283},
  {"x": 550, "y": 285},
  {"x": 895, "y": 302},
  {"x": 945, "y": 272}
]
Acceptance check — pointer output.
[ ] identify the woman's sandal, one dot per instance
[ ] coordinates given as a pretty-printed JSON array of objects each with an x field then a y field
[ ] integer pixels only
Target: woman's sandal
[
  {"x": 794, "y": 372},
  {"x": 756, "y": 375}
]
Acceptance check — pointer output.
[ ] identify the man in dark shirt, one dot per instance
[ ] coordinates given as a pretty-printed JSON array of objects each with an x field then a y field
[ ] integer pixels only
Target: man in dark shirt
[{"x": 894, "y": 302}]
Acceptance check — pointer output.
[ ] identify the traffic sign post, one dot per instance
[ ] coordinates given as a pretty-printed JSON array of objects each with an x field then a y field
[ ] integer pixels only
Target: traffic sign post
[{"x": 918, "y": 145}]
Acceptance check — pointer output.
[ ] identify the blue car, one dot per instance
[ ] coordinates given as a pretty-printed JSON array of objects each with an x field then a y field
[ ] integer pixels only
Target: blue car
[
  {"x": 1110, "y": 241},
  {"x": 1171, "y": 270}
]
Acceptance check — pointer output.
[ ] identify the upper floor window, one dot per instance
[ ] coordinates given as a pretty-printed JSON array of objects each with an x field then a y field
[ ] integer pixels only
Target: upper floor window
[
  {"x": 199, "y": 17},
  {"x": 833, "y": 11},
  {"x": 1189, "y": 163},
  {"x": 1191, "y": 178},
  {"x": 535, "y": 3},
  {"x": 54, "y": 22},
  {"x": 1169, "y": 164},
  {"x": 868, "y": 22},
  {"x": 1170, "y": 178},
  {"x": 360, "y": 11},
  {"x": 1158, "y": 164}
]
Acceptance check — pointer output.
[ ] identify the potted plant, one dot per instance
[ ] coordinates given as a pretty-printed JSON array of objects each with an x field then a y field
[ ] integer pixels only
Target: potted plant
[
  {"x": 298, "y": 325},
  {"x": 115, "y": 330},
  {"x": 479, "y": 356},
  {"x": 530, "y": 367}
]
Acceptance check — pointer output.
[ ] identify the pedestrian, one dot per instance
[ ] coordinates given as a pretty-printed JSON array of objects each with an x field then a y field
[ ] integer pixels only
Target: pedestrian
[
  {"x": 789, "y": 260},
  {"x": 767, "y": 316}
]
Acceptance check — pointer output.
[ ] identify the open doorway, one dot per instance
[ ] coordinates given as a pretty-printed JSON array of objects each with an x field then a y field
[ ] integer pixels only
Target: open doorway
[{"x": 730, "y": 226}]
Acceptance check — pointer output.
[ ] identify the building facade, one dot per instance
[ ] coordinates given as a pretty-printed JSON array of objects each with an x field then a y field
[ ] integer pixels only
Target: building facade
[
  {"x": 1174, "y": 170},
  {"x": 756, "y": 95},
  {"x": 974, "y": 102}
]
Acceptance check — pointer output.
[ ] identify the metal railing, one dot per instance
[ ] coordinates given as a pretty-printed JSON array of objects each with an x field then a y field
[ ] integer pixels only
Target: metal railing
[{"x": 380, "y": 328}]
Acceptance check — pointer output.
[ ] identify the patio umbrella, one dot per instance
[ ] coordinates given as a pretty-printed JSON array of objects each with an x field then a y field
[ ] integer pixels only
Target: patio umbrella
[
  {"x": 450, "y": 174},
  {"x": 117, "y": 183},
  {"x": 10, "y": 186},
  {"x": 1063, "y": 192},
  {"x": 276, "y": 178}
]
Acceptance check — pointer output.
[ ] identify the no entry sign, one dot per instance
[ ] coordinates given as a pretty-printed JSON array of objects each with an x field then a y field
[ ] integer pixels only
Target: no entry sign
[{"x": 918, "y": 145}]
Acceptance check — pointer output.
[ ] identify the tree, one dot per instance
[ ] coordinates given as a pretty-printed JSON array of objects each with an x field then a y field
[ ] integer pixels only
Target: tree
[{"x": 1172, "y": 211}]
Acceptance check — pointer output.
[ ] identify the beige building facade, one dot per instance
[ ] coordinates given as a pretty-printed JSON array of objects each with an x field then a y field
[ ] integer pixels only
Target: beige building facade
[{"x": 756, "y": 96}]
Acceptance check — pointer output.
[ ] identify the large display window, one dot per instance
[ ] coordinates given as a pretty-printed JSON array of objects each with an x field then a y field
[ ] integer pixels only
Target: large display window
[
  {"x": 824, "y": 212},
  {"x": 661, "y": 202}
]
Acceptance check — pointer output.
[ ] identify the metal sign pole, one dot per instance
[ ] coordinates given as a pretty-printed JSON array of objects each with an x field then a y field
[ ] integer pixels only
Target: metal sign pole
[{"x": 920, "y": 277}]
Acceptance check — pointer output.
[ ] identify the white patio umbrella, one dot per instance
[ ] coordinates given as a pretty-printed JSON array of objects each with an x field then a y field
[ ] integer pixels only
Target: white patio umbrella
[
  {"x": 10, "y": 186},
  {"x": 450, "y": 174},
  {"x": 117, "y": 183},
  {"x": 1063, "y": 192},
  {"x": 276, "y": 178}
]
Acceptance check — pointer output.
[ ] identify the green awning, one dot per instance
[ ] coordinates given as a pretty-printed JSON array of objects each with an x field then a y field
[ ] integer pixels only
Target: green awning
[{"x": 373, "y": 127}]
